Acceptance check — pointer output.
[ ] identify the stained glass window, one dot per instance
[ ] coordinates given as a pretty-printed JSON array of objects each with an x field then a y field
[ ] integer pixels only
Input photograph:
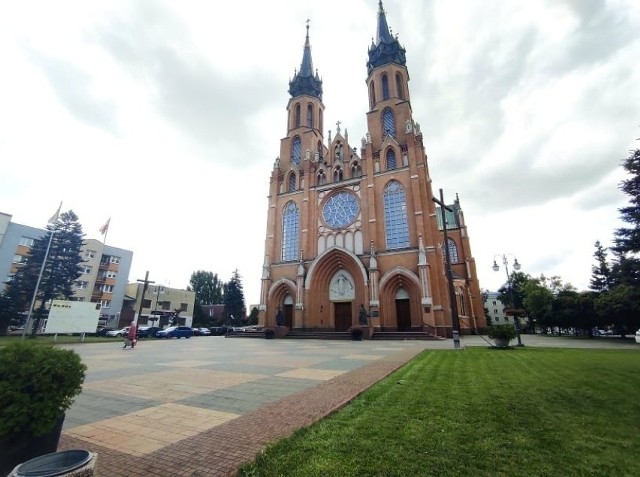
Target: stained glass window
[
  {"x": 395, "y": 216},
  {"x": 341, "y": 210},
  {"x": 391, "y": 159},
  {"x": 290, "y": 224},
  {"x": 388, "y": 123},
  {"x": 297, "y": 150},
  {"x": 385, "y": 87}
]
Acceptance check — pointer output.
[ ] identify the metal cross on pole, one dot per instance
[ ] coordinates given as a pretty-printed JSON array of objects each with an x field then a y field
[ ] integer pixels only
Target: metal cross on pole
[
  {"x": 455, "y": 321},
  {"x": 144, "y": 290}
]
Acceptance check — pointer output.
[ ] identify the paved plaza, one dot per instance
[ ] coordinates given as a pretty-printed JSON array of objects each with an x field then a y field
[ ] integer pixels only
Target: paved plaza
[{"x": 203, "y": 406}]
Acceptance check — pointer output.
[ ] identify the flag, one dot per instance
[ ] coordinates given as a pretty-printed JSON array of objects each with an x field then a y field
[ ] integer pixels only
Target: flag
[
  {"x": 54, "y": 217},
  {"x": 105, "y": 227}
]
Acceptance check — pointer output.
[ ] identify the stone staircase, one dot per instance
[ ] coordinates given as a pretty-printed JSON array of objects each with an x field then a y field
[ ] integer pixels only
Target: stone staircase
[
  {"x": 340, "y": 335},
  {"x": 404, "y": 335}
]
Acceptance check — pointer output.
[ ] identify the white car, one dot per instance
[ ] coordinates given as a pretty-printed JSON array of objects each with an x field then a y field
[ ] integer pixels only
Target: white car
[
  {"x": 119, "y": 333},
  {"x": 638, "y": 336}
]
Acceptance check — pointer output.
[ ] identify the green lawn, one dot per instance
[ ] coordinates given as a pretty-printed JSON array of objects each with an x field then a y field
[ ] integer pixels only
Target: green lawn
[
  {"x": 61, "y": 339},
  {"x": 479, "y": 412}
]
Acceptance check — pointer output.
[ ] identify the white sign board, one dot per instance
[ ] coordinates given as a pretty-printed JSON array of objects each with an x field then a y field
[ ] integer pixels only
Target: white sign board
[{"x": 72, "y": 317}]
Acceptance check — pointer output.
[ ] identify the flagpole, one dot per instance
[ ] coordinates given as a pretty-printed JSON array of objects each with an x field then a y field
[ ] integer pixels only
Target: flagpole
[{"x": 35, "y": 292}]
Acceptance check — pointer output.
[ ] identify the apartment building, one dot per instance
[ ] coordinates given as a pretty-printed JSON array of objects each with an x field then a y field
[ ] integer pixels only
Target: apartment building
[
  {"x": 105, "y": 268},
  {"x": 159, "y": 304},
  {"x": 495, "y": 310}
]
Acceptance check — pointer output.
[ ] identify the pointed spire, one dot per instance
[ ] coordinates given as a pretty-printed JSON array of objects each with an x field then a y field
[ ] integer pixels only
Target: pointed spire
[
  {"x": 307, "y": 81},
  {"x": 386, "y": 48}
]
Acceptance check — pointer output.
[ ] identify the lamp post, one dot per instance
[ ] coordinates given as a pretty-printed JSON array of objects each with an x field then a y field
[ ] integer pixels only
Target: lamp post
[{"x": 516, "y": 267}]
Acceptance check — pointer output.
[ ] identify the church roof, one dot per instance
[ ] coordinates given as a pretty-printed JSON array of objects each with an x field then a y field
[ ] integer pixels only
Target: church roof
[
  {"x": 386, "y": 49},
  {"x": 306, "y": 81}
]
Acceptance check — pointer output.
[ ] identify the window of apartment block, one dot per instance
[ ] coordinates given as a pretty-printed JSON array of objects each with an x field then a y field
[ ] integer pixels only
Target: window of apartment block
[
  {"x": 27, "y": 241},
  {"x": 86, "y": 270},
  {"x": 111, "y": 274},
  {"x": 146, "y": 303},
  {"x": 164, "y": 305},
  {"x": 107, "y": 288},
  {"x": 82, "y": 285},
  {"x": 105, "y": 303},
  {"x": 114, "y": 259},
  {"x": 18, "y": 258},
  {"x": 183, "y": 307},
  {"x": 90, "y": 254}
]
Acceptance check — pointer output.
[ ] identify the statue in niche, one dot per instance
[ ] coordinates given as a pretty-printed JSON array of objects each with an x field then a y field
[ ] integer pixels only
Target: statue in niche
[
  {"x": 418, "y": 129},
  {"x": 342, "y": 287},
  {"x": 407, "y": 126}
]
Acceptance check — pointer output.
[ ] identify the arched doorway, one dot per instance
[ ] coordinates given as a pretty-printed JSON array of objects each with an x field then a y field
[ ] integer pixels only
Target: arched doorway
[
  {"x": 403, "y": 310},
  {"x": 342, "y": 293}
]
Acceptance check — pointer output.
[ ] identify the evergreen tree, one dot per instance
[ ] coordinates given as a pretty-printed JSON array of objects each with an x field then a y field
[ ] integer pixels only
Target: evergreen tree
[
  {"x": 62, "y": 267},
  {"x": 207, "y": 287},
  {"x": 627, "y": 239},
  {"x": 601, "y": 273},
  {"x": 234, "y": 306}
]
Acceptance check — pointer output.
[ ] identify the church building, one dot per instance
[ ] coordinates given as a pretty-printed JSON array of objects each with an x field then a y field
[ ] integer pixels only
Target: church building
[{"x": 351, "y": 225}]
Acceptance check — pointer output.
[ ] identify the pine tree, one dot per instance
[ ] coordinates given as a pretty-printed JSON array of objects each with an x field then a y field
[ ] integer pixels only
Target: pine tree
[
  {"x": 234, "y": 306},
  {"x": 601, "y": 273},
  {"x": 627, "y": 239},
  {"x": 62, "y": 267}
]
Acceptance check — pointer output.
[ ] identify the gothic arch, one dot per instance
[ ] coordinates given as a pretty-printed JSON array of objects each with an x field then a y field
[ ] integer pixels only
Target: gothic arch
[
  {"x": 393, "y": 280},
  {"x": 280, "y": 289},
  {"x": 330, "y": 261}
]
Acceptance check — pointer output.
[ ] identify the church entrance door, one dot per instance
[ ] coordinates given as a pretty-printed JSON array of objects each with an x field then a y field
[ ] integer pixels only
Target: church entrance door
[
  {"x": 403, "y": 313},
  {"x": 342, "y": 312},
  {"x": 288, "y": 316}
]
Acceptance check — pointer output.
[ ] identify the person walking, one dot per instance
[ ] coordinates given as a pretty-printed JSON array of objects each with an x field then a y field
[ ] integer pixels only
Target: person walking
[{"x": 132, "y": 335}]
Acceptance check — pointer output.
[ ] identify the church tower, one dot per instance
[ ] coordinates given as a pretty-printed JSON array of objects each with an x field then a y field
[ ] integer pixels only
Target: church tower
[{"x": 349, "y": 226}]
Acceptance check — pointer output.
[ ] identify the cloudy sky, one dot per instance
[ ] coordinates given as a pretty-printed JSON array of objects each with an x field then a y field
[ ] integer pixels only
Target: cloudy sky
[{"x": 166, "y": 116}]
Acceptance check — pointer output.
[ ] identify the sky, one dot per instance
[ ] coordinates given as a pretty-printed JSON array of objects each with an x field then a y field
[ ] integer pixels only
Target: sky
[{"x": 166, "y": 118}]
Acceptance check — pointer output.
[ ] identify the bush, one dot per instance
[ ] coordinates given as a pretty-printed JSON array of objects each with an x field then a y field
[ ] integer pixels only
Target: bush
[
  {"x": 37, "y": 385},
  {"x": 505, "y": 332},
  {"x": 268, "y": 333},
  {"x": 356, "y": 334}
]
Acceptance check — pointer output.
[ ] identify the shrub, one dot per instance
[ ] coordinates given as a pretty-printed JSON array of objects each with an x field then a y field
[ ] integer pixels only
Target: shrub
[
  {"x": 505, "y": 332},
  {"x": 38, "y": 384},
  {"x": 356, "y": 334},
  {"x": 269, "y": 333}
]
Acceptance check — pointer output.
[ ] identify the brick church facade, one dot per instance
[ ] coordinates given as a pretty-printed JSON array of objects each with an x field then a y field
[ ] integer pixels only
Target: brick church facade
[{"x": 359, "y": 225}]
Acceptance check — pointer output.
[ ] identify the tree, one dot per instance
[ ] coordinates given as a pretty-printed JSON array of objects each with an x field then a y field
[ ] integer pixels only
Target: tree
[
  {"x": 62, "y": 267},
  {"x": 621, "y": 306},
  {"x": 627, "y": 239},
  {"x": 601, "y": 272},
  {"x": 253, "y": 316},
  {"x": 207, "y": 287},
  {"x": 234, "y": 306},
  {"x": 537, "y": 301}
]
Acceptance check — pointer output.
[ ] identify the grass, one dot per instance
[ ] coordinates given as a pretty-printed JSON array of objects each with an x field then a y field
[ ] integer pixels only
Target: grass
[{"x": 479, "y": 412}]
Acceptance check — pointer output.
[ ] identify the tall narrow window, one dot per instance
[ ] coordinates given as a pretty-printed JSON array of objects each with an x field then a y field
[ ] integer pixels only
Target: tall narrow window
[
  {"x": 385, "y": 87},
  {"x": 391, "y": 159},
  {"x": 320, "y": 119},
  {"x": 319, "y": 150},
  {"x": 356, "y": 170},
  {"x": 337, "y": 174},
  {"x": 298, "y": 115},
  {"x": 388, "y": 123},
  {"x": 372, "y": 95},
  {"x": 399, "y": 86},
  {"x": 322, "y": 178},
  {"x": 292, "y": 182},
  {"x": 453, "y": 250},
  {"x": 395, "y": 216},
  {"x": 296, "y": 152},
  {"x": 290, "y": 223},
  {"x": 309, "y": 116}
]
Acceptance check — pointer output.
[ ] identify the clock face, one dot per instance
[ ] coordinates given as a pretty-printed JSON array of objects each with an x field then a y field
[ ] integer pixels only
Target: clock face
[{"x": 340, "y": 210}]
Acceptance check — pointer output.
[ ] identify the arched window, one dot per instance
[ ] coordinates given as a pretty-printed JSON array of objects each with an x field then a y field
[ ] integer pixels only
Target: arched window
[
  {"x": 453, "y": 250},
  {"x": 320, "y": 119},
  {"x": 388, "y": 123},
  {"x": 296, "y": 152},
  {"x": 391, "y": 159},
  {"x": 290, "y": 223},
  {"x": 298, "y": 115},
  {"x": 319, "y": 150},
  {"x": 337, "y": 174},
  {"x": 322, "y": 178},
  {"x": 356, "y": 170},
  {"x": 309, "y": 116},
  {"x": 399, "y": 86},
  {"x": 385, "y": 87},
  {"x": 372, "y": 95},
  {"x": 395, "y": 216},
  {"x": 292, "y": 182}
]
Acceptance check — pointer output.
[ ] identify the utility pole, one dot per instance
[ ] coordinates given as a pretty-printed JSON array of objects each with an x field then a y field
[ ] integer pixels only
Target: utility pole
[
  {"x": 455, "y": 321},
  {"x": 144, "y": 290}
]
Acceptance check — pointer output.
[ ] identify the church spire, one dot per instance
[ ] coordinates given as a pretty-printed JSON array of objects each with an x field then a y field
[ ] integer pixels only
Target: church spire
[
  {"x": 386, "y": 48},
  {"x": 305, "y": 81}
]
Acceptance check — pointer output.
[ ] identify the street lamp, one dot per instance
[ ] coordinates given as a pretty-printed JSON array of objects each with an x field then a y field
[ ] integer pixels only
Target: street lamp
[{"x": 516, "y": 267}]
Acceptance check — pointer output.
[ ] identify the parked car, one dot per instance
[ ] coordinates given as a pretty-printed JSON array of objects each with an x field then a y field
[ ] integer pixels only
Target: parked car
[
  {"x": 203, "y": 331},
  {"x": 638, "y": 336},
  {"x": 102, "y": 331},
  {"x": 175, "y": 332},
  {"x": 119, "y": 333},
  {"x": 148, "y": 331},
  {"x": 218, "y": 330}
]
